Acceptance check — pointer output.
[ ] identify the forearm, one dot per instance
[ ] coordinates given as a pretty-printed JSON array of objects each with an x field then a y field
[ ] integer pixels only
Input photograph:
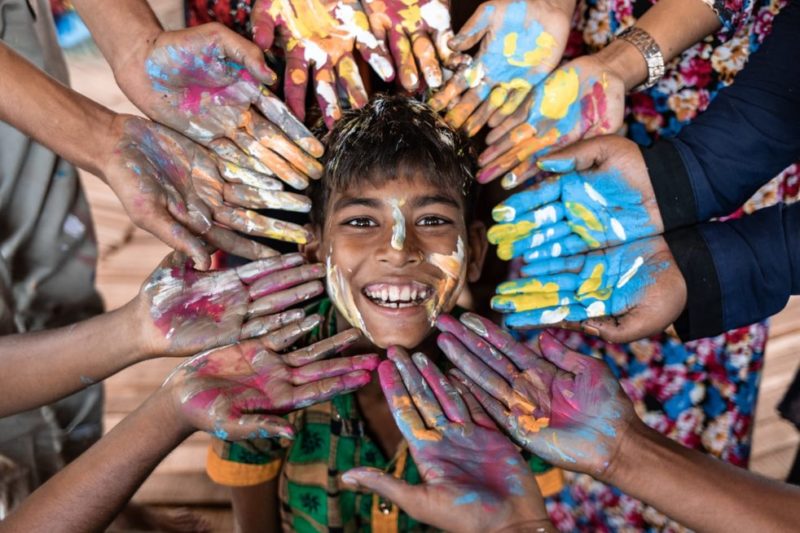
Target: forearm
[
  {"x": 121, "y": 29},
  {"x": 41, "y": 367},
  {"x": 674, "y": 25},
  {"x": 725, "y": 498},
  {"x": 56, "y": 116},
  {"x": 89, "y": 493}
]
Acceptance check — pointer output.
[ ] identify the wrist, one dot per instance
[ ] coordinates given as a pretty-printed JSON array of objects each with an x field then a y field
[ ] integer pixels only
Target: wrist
[
  {"x": 167, "y": 411},
  {"x": 629, "y": 457},
  {"x": 624, "y": 61},
  {"x": 139, "y": 329}
]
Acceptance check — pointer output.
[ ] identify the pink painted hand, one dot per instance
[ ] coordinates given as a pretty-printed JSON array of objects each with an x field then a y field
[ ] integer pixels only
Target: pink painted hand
[
  {"x": 173, "y": 188},
  {"x": 321, "y": 35},
  {"x": 521, "y": 41},
  {"x": 473, "y": 478},
  {"x": 235, "y": 392},
  {"x": 184, "y": 311},
  {"x": 418, "y": 32},
  {"x": 579, "y": 412},
  {"x": 205, "y": 82},
  {"x": 581, "y": 99}
]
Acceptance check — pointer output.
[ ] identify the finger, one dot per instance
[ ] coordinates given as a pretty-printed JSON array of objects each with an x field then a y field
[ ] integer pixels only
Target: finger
[
  {"x": 250, "y": 426},
  {"x": 474, "y": 366},
  {"x": 421, "y": 394},
  {"x": 263, "y": 26},
  {"x": 516, "y": 245},
  {"x": 251, "y": 223},
  {"x": 455, "y": 86},
  {"x": 264, "y": 325},
  {"x": 447, "y": 397},
  {"x": 252, "y": 198},
  {"x": 233, "y": 173},
  {"x": 478, "y": 346},
  {"x": 271, "y": 137},
  {"x": 624, "y": 328},
  {"x": 232, "y": 243},
  {"x": 251, "y": 272},
  {"x": 276, "y": 112},
  {"x": 295, "y": 82},
  {"x": 480, "y": 117},
  {"x": 403, "y": 410},
  {"x": 511, "y": 122},
  {"x": 332, "y": 368},
  {"x": 476, "y": 412},
  {"x": 327, "y": 97},
  {"x": 561, "y": 282},
  {"x": 520, "y": 354},
  {"x": 458, "y": 115},
  {"x": 322, "y": 349},
  {"x": 289, "y": 334},
  {"x": 350, "y": 80},
  {"x": 229, "y": 152},
  {"x": 473, "y": 30},
  {"x": 272, "y": 303},
  {"x": 177, "y": 237},
  {"x": 538, "y": 196},
  {"x": 325, "y": 389},
  {"x": 518, "y": 303},
  {"x": 247, "y": 52},
  {"x": 282, "y": 169},
  {"x": 544, "y": 267},
  {"x": 404, "y": 59},
  {"x": 515, "y": 100},
  {"x": 495, "y": 409},
  {"x": 405, "y": 496},
  {"x": 563, "y": 247},
  {"x": 499, "y": 159},
  {"x": 523, "y": 160},
  {"x": 425, "y": 53},
  {"x": 545, "y": 317},
  {"x": 285, "y": 279},
  {"x": 372, "y": 49},
  {"x": 523, "y": 221},
  {"x": 560, "y": 355}
]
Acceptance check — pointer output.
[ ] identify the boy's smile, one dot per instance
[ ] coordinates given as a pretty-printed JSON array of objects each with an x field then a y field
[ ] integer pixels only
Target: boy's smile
[{"x": 396, "y": 257}]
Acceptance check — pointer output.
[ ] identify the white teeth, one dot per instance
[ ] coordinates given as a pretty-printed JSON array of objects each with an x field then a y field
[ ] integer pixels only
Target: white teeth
[
  {"x": 385, "y": 295},
  {"x": 404, "y": 294},
  {"x": 394, "y": 293}
]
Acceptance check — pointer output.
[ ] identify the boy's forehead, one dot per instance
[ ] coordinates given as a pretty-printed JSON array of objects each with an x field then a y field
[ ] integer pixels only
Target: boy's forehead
[{"x": 415, "y": 191}]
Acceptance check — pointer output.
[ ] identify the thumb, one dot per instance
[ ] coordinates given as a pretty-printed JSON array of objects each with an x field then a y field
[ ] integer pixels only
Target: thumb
[
  {"x": 407, "y": 497},
  {"x": 581, "y": 155},
  {"x": 625, "y": 328},
  {"x": 247, "y": 53},
  {"x": 472, "y": 31},
  {"x": 253, "y": 427}
]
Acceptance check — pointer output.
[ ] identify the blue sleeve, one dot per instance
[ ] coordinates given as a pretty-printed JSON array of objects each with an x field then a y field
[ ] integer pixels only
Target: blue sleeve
[
  {"x": 749, "y": 133},
  {"x": 737, "y": 272}
]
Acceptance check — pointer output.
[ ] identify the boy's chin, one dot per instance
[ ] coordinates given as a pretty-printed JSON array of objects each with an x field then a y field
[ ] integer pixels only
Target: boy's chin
[{"x": 405, "y": 338}]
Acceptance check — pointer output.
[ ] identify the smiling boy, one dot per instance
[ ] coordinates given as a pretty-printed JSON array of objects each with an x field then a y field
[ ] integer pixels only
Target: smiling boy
[{"x": 392, "y": 222}]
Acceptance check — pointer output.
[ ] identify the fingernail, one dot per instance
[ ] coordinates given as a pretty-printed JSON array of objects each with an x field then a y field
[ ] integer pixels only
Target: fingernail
[
  {"x": 591, "y": 330},
  {"x": 559, "y": 166},
  {"x": 349, "y": 479}
]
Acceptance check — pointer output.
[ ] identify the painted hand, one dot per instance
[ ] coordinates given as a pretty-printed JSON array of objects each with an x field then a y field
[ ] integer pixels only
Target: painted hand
[
  {"x": 638, "y": 284},
  {"x": 581, "y": 99},
  {"x": 473, "y": 477},
  {"x": 175, "y": 189},
  {"x": 565, "y": 407},
  {"x": 205, "y": 82},
  {"x": 521, "y": 41},
  {"x": 605, "y": 198},
  {"x": 417, "y": 32},
  {"x": 321, "y": 34},
  {"x": 235, "y": 392},
  {"x": 184, "y": 311}
]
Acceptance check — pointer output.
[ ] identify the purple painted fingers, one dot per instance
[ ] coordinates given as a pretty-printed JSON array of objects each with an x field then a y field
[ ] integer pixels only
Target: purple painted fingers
[
  {"x": 206, "y": 82},
  {"x": 235, "y": 391},
  {"x": 473, "y": 477},
  {"x": 185, "y": 311},
  {"x": 586, "y": 410}
]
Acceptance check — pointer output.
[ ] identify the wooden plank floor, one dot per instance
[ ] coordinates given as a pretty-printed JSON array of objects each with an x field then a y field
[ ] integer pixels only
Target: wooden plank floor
[{"x": 128, "y": 255}]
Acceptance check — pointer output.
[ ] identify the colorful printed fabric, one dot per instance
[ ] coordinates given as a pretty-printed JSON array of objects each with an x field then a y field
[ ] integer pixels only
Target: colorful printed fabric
[
  {"x": 234, "y": 14},
  {"x": 331, "y": 438}
]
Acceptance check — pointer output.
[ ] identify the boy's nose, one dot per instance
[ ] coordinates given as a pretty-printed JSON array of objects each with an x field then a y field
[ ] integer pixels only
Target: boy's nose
[{"x": 400, "y": 254}]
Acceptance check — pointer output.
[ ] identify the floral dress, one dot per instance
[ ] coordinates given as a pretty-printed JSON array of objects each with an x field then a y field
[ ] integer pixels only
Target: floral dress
[{"x": 701, "y": 393}]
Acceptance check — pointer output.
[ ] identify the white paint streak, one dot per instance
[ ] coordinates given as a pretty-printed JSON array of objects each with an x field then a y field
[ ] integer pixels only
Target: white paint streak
[
  {"x": 619, "y": 231},
  {"x": 626, "y": 277},
  {"x": 399, "y": 226},
  {"x": 594, "y": 195}
]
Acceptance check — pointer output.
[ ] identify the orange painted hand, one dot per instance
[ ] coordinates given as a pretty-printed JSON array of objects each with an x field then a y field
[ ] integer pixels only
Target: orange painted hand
[
  {"x": 417, "y": 32},
  {"x": 186, "y": 196},
  {"x": 206, "y": 82},
  {"x": 521, "y": 41},
  {"x": 581, "y": 99},
  {"x": 320, "y": 35}
]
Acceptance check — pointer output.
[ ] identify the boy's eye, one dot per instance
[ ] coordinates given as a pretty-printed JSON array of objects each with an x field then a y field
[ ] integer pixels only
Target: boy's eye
[
  {"x": 432, "y": 220},
  {"x": 360, "y": 222}
]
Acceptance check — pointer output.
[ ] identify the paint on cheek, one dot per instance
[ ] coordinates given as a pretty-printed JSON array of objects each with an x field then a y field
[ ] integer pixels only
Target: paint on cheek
[
  {"x": 455, "y": 271},
  {"x": 399, "y": 226},
  {"x": 342, "y": 296}
]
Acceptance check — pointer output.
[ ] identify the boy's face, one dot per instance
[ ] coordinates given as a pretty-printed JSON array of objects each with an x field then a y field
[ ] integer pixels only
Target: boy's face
[{"x": 397, "y": 256}]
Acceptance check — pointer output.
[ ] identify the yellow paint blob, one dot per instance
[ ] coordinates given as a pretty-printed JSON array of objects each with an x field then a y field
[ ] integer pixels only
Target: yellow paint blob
[
  {"x": 560, "y": 91},
  {"x": 584, "y": 214},
  {"x": 510, "y": 232},
  {"x": 527, "y": 302},
  {"x": 298, "y": 76},
  {"x": 594, "y": 280},
  {"x": 531, "y": 286}
]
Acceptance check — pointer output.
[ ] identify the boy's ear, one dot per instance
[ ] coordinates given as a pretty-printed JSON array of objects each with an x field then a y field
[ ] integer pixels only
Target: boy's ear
[
  {"x": 310, "y": 250},
  {"x": 478, "y": 245}
]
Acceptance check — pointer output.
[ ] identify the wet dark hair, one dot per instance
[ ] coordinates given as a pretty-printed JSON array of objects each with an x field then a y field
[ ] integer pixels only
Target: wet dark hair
[{"x": 393, "y": 137}]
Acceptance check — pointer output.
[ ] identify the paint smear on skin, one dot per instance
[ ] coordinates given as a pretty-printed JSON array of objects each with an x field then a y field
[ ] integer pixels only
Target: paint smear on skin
[
  {"x": 399, "y": 226},
  {"x": 594, "y": 195},
  {"x": 555, "y": 315},
  {"x": 455, "y": 270},
  {"x": 594, "y": 280},
  {"x": 596, "y": 309},
  {"x": 466, "y": 499},
  {"x": 559, "y": 93},
  {"x": 585, "y": 215},
  {"x": 342, "y": 296},
  {"x": 626, "y": 277},
  {"x": 618, "y": 229}
]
